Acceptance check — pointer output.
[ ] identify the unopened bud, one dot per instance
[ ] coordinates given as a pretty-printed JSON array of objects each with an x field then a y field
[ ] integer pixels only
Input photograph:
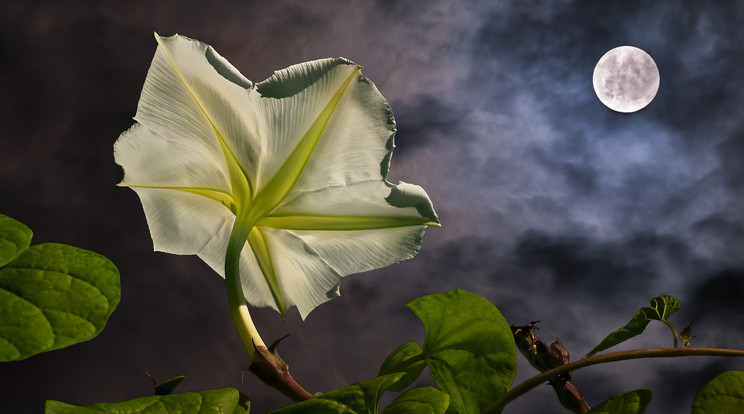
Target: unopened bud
[
  {"x": 570, "y": 396},
  {"x": 532, "y": 347},
  {"x": 558, "y": 354}
]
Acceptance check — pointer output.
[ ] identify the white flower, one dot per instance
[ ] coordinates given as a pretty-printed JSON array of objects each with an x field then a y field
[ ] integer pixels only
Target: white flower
[{"x": 295, "y": 164}]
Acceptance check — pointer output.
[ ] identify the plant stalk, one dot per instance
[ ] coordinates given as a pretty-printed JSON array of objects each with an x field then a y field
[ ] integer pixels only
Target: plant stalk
[
  {"x": 674, "y": 332},
  {"x": 535, "y": 381},
  {"x": 267, "y": 364}
]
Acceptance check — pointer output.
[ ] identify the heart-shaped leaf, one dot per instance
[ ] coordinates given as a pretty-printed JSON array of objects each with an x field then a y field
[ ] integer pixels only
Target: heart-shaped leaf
[
  {"x": 424, "y": 400},
  {"x": 468, "y": 346},
  {"x": 724, "y": 394},
  {"x": 51, "y": 295},
  {"x": 225, "y": 400},
  {"x": 14, "y": 238}
]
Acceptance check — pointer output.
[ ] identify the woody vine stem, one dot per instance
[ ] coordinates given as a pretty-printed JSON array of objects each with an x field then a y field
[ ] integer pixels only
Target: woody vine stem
[{"x": 535, "y": 381}]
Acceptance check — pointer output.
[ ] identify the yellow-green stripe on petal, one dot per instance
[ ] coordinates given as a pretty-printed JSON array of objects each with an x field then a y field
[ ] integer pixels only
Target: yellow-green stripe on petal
[
  {"x": 284, "y": 179},
  {"x": 340, "y": 222},
  {"x": 216, "y": 195},
  {"x": 258, "y": 244},
  {"x": 241, "y": 187}
]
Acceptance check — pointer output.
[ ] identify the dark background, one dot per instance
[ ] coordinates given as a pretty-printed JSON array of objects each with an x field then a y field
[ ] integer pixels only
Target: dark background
[{"x": 553, "y": 206}]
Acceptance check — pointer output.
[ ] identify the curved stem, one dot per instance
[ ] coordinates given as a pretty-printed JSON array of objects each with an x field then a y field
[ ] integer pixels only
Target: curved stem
[
  {"x": 533, "y": 382},
  {"x": 267, "y": 363},
  {"x": 674, "y": 332},
  {"x": 238, "y": 308}
]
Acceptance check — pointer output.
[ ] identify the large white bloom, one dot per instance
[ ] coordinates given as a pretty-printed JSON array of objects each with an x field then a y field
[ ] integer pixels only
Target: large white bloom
[{"x": 299, "y": 159}]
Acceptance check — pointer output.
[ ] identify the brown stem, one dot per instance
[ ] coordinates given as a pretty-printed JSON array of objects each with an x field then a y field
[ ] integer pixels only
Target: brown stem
[
  {"x": 272, "y": 370},
  {"x": 535, "y": 381}
]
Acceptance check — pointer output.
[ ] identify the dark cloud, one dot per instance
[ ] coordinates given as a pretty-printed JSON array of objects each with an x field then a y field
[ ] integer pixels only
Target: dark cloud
[
  {"x": 570, "y": 159},
  {"x": 685, "y": 378},
  {"x": 579, "y": 265},
  {"x": 730, "y": 152},
  {"x": 427, "y": 121},
  {"x": 714, "y": 306},
  {"x": 700, "y": 88}
]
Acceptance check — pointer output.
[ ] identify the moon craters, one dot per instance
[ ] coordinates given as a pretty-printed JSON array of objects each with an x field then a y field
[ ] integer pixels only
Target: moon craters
[{"x": 626, "y": 79}]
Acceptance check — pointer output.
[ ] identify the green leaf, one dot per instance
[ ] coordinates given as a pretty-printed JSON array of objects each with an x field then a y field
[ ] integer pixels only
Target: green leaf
[
  {"x": 317, "y": 406},
  {"x": 424, "y": 400},
  {"x": 167, "y": 387},
  {"x": 631, "y": 402},
  {"x": 14, "y": 238},
  {"x": 52, "y": 296},
  {"x": 661, "y": 308},
  {"x": 402, "y": 360},
  {"x": 361, "y": 398},
  {"x": 225, "y": 400},
  {"x": 724, "y": 394},
  {"x": 468, "y": 346}
]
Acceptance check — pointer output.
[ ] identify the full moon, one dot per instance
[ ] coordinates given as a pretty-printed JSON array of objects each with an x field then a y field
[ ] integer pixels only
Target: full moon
[{"x": 626, "y": 79}]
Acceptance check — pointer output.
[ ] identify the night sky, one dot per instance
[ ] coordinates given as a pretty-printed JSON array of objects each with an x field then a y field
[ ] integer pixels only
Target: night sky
[{"x": 553, "y": 206}]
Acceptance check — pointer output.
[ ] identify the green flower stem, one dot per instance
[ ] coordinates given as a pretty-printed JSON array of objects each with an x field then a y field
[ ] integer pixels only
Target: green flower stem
[
  {"x": 535, "y": 381},
  {"x": 238, "y": 308},
  {"x": 267, "y": 364},
  {"x": 674, "y": 332}
]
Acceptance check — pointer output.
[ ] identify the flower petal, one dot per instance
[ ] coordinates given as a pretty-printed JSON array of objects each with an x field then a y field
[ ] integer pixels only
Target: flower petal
[
  {"x": 349, "y": 252},
  {"x": 191, "y": 94},
  {"x": 356, "y": 144},
  {"x": 325, "y": 235},
  {"x": 405, "y": 202},
  {"x": 311, "y": 264},
  {"x": 305, "y": 280},
  {"x": 151, "y": 161},
  {"x": 294, "y": 100},
  {"x": 186, "y": 223},
  {"x": 255, "y": 289}
]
